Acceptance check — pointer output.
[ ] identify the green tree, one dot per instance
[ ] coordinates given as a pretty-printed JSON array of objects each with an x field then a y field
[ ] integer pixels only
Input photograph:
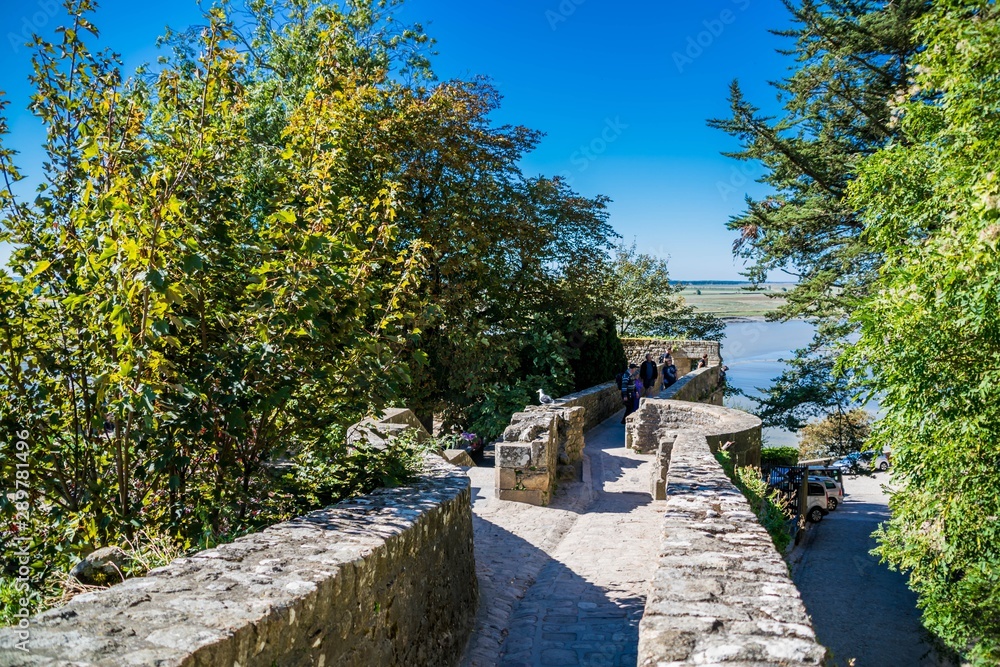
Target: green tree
[
  {"x": 850, "y": 57},
  {"x": 602, "y": 354},
  {"x": 931, "y": 202},
  {"x": 810, "y": 387},
  {"x": 644, "y": 301},
  {"x": 835, "y": 435},
  {"x": 165, "y": 333}
]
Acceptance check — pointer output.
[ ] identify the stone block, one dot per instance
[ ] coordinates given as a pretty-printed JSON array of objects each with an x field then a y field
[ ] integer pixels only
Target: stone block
[
  {"x": 531, "y": 497},
  {"x": 513, "y": 455},
  {"x": 458, "y": 457},
  {"x": 506, "y": 478},
  {"x": 540, "y": 450},
  {"x": 535, "y": 481}
]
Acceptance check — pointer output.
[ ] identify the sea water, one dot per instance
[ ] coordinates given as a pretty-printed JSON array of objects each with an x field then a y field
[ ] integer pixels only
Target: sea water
[{"x": 756, "y": 353}]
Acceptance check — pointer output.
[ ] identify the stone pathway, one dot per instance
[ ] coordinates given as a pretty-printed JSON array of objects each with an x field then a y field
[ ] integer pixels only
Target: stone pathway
[{"x": 566, "y": 584}]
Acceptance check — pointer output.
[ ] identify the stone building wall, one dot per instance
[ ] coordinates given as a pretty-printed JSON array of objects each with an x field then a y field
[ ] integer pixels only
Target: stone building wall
[
  {"x": 386, "y": 579},
  {"x": 686, "y": 352},
  {"x": 721, "y": 592}
]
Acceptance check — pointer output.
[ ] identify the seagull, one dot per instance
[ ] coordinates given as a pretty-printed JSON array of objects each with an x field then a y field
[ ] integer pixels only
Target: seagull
[{"x": 544, "y": 398}]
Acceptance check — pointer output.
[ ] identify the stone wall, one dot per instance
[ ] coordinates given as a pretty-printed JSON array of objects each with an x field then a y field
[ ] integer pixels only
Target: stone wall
[
  {"x": 386, "y": 579},
  {"x": 686, "y": 352},
  {"x": 702, "y": 385},
  {"x": 720, "y": 593},
  {"x": 600, "y": 402},
  {"x": 657, "y": 420},
  {"x": 542, "y": 445}
]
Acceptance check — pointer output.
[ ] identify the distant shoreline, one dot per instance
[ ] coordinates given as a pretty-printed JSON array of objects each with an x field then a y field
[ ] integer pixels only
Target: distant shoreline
[
  {"x": 745, "y": 319},
  {"x": 737, "y": 319}
]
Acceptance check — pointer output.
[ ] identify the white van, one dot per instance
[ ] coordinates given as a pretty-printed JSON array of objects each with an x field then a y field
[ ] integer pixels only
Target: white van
[
  {"x": 818, "y": 501},
  {"x": 834, "y": 491}
]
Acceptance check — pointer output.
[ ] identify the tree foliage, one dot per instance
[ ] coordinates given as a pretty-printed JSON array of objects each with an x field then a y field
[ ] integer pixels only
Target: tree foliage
[
  {"x": 850, "y": 57},
  {"x": 931, "y": 201},
  {"x": 835, "y": 435},
  {"x": 644, "y": 301},
  {"x": 286, "y": 225},
  {"x": 810, "y": 387},
  {"x": 165, "y": 332}
]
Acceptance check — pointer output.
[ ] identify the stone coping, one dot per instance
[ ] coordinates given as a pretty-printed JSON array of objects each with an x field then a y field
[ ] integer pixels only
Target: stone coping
[
  {"x": 721, "y": 592},
  {"x": 387, "y": 578}
]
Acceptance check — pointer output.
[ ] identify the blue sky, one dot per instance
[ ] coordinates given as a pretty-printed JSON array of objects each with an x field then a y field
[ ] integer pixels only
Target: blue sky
[{"x": 622, "y": 92}]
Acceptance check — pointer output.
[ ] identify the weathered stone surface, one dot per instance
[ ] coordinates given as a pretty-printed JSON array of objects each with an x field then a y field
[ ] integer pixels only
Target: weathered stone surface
[
  {"x": 599, "y": 403},
  {"x": 529, "y": 496},
  {"x": 387, "y": 579},
  {"x": 721, "y": 592},
  {"x": 657, "y": 419},
  {"x": 702, "y": 385},
  {"x": 542, "y": 444},
  {"x": 378, "y": 432},
  {"x": 513, "y": 455}
]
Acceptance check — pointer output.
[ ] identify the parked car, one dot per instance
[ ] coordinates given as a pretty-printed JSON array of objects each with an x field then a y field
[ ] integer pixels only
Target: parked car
[
  {"x": 834, "y": 491},
  {"x": 818, "y": 501},
  {"x": 856, "y": 461},
  {"x": 852, "y": 462}
]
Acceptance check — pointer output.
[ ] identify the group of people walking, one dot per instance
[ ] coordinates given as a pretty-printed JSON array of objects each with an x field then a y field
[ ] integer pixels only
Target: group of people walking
[{"x": 639, "y": 380}]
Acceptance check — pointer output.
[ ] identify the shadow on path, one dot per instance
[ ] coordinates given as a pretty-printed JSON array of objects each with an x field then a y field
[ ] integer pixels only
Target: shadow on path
[
  {"x": 859, "y": 608},
  {"x": 566, "y": 584}
]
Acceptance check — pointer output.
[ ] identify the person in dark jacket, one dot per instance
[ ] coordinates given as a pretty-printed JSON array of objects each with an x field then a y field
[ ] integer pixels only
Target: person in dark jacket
[
  {"x": 626, "y": 382},
  {"x": 648, "y": 373}
]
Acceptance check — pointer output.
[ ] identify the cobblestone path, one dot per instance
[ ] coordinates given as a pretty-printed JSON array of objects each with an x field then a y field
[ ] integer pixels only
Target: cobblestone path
[{"x": 566, "y": 584}]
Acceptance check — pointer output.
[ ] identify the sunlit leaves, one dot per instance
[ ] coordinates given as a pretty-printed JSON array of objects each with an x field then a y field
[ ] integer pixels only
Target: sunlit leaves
[{"x": 931, "y": 330}]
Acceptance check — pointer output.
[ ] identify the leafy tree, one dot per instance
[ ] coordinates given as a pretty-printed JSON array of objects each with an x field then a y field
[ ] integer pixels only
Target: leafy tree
[
  {"x": 810, "y": 387},
  {"x": 602, "y": 354},
  {"x": 851, "y": 56},
  {"x": 506, "y": 282},
  {"x": 644, "y": 302},
  {"x": 931, "y": 201},
  {"x": 164, "y": 332},
  {"x": 837, "y": 434}
]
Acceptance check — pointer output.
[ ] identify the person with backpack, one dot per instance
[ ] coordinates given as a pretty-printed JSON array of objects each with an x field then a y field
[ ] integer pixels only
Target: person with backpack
[{"x": 626, "y": 384}]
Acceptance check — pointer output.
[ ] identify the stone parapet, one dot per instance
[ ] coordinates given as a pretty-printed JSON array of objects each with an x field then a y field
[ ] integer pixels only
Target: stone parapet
[
  {"x": 659, "y": 419},
  {"x": 686, "y": 352},
  {"x": 600, "y": 402},
  {"x": 386, "y": 579},
  {"x": 542, "y": 445},
  {"x": 721, "y": 593},
  {"x": 702, "y": 385}
]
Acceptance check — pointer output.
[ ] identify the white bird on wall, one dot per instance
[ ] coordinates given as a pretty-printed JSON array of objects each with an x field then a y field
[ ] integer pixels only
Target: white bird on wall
[{"x": 544, "y": 398}]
